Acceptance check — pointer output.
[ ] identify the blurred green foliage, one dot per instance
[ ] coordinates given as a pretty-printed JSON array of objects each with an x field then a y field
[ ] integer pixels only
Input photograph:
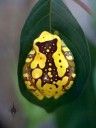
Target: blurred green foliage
[{"x": 82, "y": 112}]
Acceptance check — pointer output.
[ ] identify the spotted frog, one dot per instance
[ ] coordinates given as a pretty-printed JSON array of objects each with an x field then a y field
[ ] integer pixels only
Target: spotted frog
[{"x": 49, "y": 69}]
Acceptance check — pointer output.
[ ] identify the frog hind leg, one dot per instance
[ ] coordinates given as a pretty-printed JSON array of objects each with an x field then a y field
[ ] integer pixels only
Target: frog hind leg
[{"x": 29, "y": 82}]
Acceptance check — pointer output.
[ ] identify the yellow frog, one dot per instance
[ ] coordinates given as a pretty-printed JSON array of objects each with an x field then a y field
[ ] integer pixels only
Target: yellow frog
[{"x": 49, "y": 69}]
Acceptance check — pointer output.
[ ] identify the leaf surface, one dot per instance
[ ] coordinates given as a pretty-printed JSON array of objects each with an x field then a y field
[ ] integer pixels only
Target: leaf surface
[{"x": 53, "y": 15}]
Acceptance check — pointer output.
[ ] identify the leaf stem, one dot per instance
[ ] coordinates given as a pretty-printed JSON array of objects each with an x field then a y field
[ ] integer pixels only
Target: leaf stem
[
  {"x": 50, "y": 15},
  {"x": 84, "y": 6}
]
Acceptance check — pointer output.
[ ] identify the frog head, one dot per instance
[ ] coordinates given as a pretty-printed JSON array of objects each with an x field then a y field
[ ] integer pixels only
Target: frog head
[{"x": 45, "y": 41}]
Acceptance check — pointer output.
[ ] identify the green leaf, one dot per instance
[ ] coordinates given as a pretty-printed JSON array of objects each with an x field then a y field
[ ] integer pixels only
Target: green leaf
[
  {"x": 53, "y": 15},
  {"x": 83, "y": 110}
]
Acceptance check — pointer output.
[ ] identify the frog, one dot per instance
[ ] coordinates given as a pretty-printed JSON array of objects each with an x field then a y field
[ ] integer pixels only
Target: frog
[{"x": 49, "y": 69}]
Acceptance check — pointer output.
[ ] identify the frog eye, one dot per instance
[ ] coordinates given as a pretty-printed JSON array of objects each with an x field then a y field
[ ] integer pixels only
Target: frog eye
[{"x": 49, "y": 69}]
